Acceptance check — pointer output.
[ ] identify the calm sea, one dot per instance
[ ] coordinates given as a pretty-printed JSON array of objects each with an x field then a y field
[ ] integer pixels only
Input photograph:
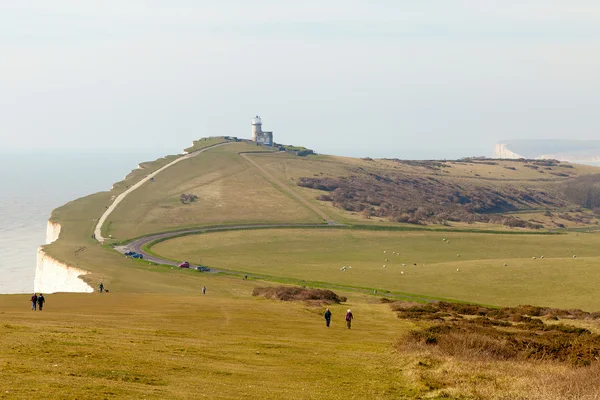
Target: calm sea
[{"x": 31, "y": 186}]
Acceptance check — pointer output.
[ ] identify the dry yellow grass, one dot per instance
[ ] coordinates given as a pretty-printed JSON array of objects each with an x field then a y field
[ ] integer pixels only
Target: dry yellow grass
[{"x": 229, "y": 189}]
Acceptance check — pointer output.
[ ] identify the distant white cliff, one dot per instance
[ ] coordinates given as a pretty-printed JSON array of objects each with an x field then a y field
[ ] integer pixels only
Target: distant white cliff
[
  {"x": 577, "y": 151},
  {"x": 501, "y": 151},
  {"x": 53, "y": 276}
]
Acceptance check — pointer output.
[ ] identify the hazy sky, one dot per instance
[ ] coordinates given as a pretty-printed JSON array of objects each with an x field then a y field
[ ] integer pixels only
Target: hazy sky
[{"x": 427, "y": 78}]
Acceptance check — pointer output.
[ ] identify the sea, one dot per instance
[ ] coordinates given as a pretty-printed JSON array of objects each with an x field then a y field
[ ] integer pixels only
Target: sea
[{"x": 32, "y": 185}]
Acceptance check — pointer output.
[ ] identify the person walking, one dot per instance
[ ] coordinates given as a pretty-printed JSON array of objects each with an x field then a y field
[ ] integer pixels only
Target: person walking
[
  {"x": 327, "y": 316},
  {"x": 41, "y": 300},
  {"x": 33, "y": 301},
  {"x": 101, "y": 287},
  {"x": 203, "y": 289},
  {"x": 349, "y": 318}
]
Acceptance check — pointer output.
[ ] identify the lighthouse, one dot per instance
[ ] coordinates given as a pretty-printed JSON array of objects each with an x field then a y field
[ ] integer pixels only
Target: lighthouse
[
  {"x": 258, "y": 135},
  {"x": 256, "y": 128}
]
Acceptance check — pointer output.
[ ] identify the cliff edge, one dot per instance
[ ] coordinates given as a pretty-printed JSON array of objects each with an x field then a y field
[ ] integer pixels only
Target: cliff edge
[
  {"x": 576, "y": 151},
  {"x": 53, "y": 276}
]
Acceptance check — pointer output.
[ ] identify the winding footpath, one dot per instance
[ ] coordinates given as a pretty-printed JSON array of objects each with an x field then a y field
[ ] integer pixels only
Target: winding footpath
[
  {"x": 121, "y": 197},
  {"x": 138, "y": 244}
]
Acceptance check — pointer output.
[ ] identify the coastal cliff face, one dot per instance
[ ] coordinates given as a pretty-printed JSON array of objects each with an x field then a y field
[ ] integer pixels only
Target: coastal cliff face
[
  {"x": 575, "y": 151},
  {"x": 51, "y": 275},
  {"x": 501, "y": 151}
]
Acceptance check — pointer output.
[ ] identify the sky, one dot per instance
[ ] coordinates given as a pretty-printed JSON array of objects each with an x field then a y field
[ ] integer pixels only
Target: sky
[{"x": 379, "y": 78}]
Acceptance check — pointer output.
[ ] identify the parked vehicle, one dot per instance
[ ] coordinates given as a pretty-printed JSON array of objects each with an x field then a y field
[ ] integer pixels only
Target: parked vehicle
[
  {"x": 202, "y": 268},
  {"x": 130, "y": 253},
  {"x": 138, "y": 256},
  {"x": 184, "y": 264}
]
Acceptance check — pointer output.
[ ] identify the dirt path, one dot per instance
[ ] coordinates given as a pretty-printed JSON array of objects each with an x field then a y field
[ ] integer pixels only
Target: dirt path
[
  {"x": 121, "y": 197},
  {"x": 288, "y": 190}
]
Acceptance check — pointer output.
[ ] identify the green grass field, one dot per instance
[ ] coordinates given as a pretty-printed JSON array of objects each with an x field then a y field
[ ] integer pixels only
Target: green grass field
[
  {"x": 558, "y": 280},
  {"x": 156, "y": 336}
]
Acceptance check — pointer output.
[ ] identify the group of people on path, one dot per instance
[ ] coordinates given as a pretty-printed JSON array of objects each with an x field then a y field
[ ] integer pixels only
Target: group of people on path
[
  {"x": 349, "y": 318},
  {"x": 37, "y": 301}
]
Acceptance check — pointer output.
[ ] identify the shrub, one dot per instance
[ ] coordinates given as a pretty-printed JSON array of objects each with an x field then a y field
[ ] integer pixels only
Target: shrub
[{"x": 294, "y": 293}]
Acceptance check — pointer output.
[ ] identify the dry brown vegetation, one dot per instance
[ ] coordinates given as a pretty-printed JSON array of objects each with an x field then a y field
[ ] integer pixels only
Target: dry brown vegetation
[
  {"x": 469, "y": 351},
  {"x": 293, "y": 293},
  {"x": 429, "y": 199},
  {"x": 466, "y": 190},
  {"x": 474, "y": 332}
]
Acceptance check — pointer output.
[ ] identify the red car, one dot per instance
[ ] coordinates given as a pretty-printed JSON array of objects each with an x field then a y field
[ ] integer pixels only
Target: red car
[{"x": 184, "y": 264}]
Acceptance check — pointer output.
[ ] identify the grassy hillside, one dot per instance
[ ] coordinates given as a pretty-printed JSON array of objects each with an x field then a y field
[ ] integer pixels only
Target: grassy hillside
[
  {"x": 557, "y": 280},
  {"x": 229, "y": 190},
  {"x": 430, "y": 192},
  {"x": 155, "y": 336}
]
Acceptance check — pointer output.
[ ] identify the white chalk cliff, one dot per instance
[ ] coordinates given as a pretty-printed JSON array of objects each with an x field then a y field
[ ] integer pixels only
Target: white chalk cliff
[
  {"x": 53, "y": 276},
  {"x": 577, "y": 151},
  {"x": 501, "y": 151}
]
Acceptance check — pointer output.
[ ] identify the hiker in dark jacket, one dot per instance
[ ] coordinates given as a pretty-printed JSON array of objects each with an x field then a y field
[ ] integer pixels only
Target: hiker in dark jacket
[
  {"x": 349, "y": 318},
  {"x": 33, "y": 301},
  {"x": 41, "y": 300},
  {"x": 327, "y": 317}
]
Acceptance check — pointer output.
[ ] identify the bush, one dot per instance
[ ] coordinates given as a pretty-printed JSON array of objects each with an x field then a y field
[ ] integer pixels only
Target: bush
[
  {"x": 510, "y": 333},
  {"x": 294, "y": 293}
]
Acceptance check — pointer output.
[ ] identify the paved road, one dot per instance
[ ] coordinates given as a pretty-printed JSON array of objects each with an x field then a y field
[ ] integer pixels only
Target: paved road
[
  {"x": 137, "y": 244},
  {"x": 121, "y": 197}
]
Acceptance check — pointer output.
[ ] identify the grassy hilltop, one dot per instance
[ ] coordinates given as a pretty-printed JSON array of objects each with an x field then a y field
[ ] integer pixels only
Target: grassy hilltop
[{"x": 472, "y": 227}]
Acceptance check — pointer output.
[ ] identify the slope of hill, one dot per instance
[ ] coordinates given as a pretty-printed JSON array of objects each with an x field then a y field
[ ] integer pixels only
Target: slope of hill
[{"x": 155, "y": 335}]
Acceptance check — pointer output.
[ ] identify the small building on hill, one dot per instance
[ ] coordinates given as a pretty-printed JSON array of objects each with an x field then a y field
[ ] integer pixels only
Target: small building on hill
[{"x": 258, "y": 135}]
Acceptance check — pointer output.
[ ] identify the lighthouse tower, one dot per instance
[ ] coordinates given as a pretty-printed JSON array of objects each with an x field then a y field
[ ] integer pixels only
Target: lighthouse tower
[
  {"x": 258, "y": 135},
  {"x": 256, "y": 128}
]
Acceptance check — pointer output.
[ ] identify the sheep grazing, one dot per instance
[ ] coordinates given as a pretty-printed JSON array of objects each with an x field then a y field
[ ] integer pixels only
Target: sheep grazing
[
  {"x": 386, "y": 260},
  {"x": 404, "y": 265},
  {"x": 383, "y": 265},
  {"x": 385, "y": 251},
  {"x": 458, "y": 255},
  {"x": 350, "y": 266},
  {"x": 574, "y": 256},
  {"x": 542, "y": 257},
  {"x": 457, "y": 269},
  {"x": 505, "y": 264},
  {"x": 533, "y": 258},
  {"x": 402, "y": 272},
  {"x": 415, "y": 264}
]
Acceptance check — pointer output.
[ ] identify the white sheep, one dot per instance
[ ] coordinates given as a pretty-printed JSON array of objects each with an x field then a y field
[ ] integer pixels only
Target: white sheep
[
  {"x": 383, "y": 265},
  {"x": 574, "y": 256},
  {"x": 402, "y": 272},
  {"x": 458, "y": 255},
  {"x": 505, "y": 264},
  {"x": 404, "y": 265},
  {"x": 386, "y": 260},
  {"x": 385, "y": 251},
  {"x": 542, "y": 257},
  {"x": 533, "y": 258},
  {"x": 350, "y": 266},
  {"x": 457, "y": 269}
]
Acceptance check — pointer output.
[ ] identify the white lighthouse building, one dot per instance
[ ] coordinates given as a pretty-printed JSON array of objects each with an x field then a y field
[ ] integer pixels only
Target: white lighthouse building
[{"x": 260, "y": 136}]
